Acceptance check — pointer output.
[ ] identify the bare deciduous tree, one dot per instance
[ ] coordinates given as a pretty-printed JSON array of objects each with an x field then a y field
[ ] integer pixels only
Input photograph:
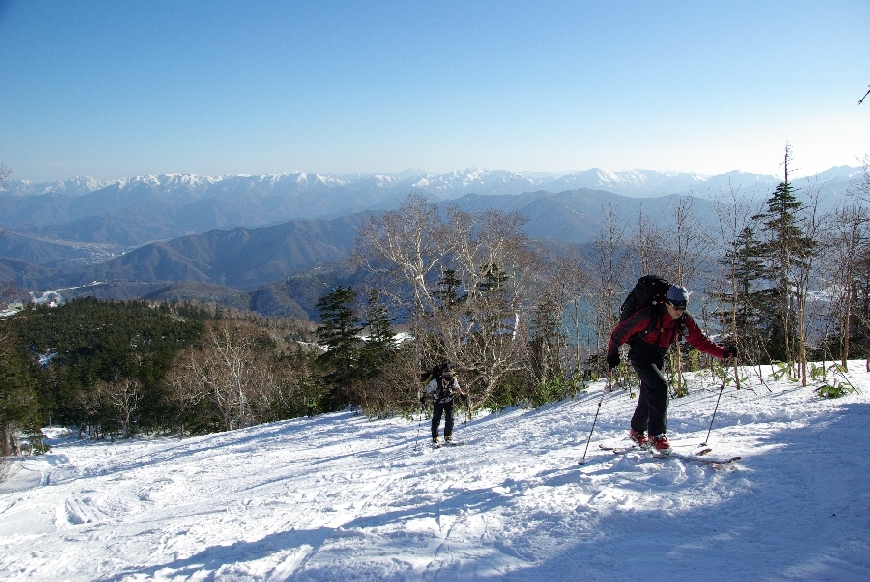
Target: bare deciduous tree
[
  {"x": 123, "y": 397},
  {"x": 579, "y": 318},
  {"x": 404, "y": 246},
  {"x": 228, "y": 371},
  {"x": 860, "y": 186},
  {"x": 649, "y": 247},
  {"x": 185, "y": 385},
  {"x": 806, "y": 251},
  {"x": 844, "y": 244},
  {"x": 733, "y": 215},
  {"x": 230, "y": 360},
  {"x": 685, "y": 243},
  {"x": 610, "y": 277},
  {"x": 483, "y": 334},
  {"x": 466, "y": 277}
]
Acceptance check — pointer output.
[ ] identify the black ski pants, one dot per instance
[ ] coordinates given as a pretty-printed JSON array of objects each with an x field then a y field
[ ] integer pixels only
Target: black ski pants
[
  {"x": 445, "y": 408},
  {"x": 652, "y": 402}
]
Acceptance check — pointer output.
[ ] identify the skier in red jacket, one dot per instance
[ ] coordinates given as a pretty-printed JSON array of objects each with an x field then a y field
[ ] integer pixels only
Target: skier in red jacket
[{"x": 650, "y": 332}]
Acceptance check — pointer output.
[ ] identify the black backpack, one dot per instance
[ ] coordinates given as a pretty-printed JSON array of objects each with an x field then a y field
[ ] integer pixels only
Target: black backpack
[
  {"x": 436, "y": 372},
  {"x": 650, "y": 290},
  {"x": 445, "y": 389}
]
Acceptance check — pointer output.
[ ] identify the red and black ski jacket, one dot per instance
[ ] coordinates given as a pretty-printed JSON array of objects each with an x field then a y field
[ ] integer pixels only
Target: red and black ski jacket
[{"x": 651, "y": 331}]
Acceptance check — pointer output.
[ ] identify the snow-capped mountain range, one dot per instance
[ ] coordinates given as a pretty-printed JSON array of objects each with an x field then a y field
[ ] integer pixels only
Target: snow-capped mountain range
[{"x": 632, "y": 183}]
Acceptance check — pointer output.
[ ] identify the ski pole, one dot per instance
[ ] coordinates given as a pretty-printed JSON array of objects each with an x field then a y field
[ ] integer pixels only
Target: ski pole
[
  {"x": 721, "y": 389},
  {"x": 419, "y": 424},
  {"x": 583, "y": 460}
]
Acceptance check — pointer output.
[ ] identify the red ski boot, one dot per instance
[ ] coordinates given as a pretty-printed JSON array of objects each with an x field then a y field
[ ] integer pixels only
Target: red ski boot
[
  {"x": 660, "y": 444},
  {"x": 640, "y": 439}
]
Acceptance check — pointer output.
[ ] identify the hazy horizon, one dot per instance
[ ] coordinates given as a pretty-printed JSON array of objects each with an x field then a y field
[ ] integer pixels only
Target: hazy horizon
[{"x": 412, "y": 172}]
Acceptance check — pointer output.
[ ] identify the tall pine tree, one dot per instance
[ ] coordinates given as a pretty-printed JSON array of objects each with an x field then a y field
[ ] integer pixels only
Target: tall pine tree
[
  {"x": 747, "y": 302},
  {"x": 380, "y": 346},
  {"x": 18, "y": 402},
  {"x": 339, "y": 333},
  {"x": 784, "y": 249}
]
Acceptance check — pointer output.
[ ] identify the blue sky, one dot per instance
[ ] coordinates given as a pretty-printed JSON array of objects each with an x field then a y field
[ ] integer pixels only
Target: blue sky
[{"x": 113, "y": 89}]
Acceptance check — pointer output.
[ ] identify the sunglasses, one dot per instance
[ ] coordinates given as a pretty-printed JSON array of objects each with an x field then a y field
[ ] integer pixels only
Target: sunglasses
[{"x": 678, "y": 305}]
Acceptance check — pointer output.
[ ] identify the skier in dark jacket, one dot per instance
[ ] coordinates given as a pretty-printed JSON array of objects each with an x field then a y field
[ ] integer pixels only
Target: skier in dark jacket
[
  {"x": 650, "y": 332},
  {"x": 445, "y": 387}
]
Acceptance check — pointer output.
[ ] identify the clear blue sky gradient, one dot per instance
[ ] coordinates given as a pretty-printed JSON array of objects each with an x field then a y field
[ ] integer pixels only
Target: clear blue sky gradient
[{"x": 121, "y": 88}]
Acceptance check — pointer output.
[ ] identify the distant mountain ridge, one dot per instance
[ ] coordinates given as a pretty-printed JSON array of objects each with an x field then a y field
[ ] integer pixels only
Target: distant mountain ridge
[
  {"x": 264, "y": 240},
  {"x": 632, "y": 183},
  {"x": 282, "y": 268},
  {"x": 134, "y": 211}
]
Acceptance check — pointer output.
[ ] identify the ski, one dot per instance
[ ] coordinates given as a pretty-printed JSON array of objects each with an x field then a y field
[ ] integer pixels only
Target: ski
[
  {"x": 620, "y": 450},
  {"x": 698, "y": 458},
  {"x": 440, "y": 444}
]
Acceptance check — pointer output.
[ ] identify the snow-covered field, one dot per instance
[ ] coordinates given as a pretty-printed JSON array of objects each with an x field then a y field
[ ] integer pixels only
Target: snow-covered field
[{"x": 342, "y": 498}]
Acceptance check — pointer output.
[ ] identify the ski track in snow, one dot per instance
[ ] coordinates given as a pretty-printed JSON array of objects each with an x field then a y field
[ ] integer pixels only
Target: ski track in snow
[{"x": 344, "y": 498}]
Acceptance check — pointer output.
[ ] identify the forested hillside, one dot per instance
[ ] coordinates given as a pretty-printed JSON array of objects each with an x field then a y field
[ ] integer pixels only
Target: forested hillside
[{"x": 123, "y": 368}]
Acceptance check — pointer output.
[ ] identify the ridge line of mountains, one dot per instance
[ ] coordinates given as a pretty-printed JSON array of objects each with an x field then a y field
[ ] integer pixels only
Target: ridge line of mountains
[{"x": 273, "y": 244}]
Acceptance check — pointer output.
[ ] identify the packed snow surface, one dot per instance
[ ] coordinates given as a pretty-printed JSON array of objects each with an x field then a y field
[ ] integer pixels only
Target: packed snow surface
[{"x": 341, "y": 497}]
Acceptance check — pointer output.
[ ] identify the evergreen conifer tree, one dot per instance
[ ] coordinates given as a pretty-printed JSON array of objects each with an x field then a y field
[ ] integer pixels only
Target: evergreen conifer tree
[
  {"x": 447, "y": 289},
  {"x": 18, "y": 402},
  {"x": 380, "y": 347},
  {"x": 339, "y": 332},
  {"x": 784, "y": 249},
  {"x": 747, "y": 308}
]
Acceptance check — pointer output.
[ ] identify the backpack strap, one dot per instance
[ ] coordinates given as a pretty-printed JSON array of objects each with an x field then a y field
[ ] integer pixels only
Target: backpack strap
[
  {"x": 442, "y": 388},
  {"x": 655, "y": 317},
  {"x": 656, "y": 314}
]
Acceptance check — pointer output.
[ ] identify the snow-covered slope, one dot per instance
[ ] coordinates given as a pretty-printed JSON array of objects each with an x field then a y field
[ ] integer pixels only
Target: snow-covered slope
[{"x": 343, "y": 498}]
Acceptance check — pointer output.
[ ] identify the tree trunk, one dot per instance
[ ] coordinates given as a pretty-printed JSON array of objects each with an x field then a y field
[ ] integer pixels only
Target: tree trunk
[{"x": 5, "y": 449}]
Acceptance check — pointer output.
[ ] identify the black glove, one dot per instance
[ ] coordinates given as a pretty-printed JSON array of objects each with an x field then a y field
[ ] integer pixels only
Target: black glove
[
  {"x": 423, "y": 401},
  {"x": 464, "y": 398},
  {"x": 730, "y": 352},
  {"x": 612, "y": 360}
]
